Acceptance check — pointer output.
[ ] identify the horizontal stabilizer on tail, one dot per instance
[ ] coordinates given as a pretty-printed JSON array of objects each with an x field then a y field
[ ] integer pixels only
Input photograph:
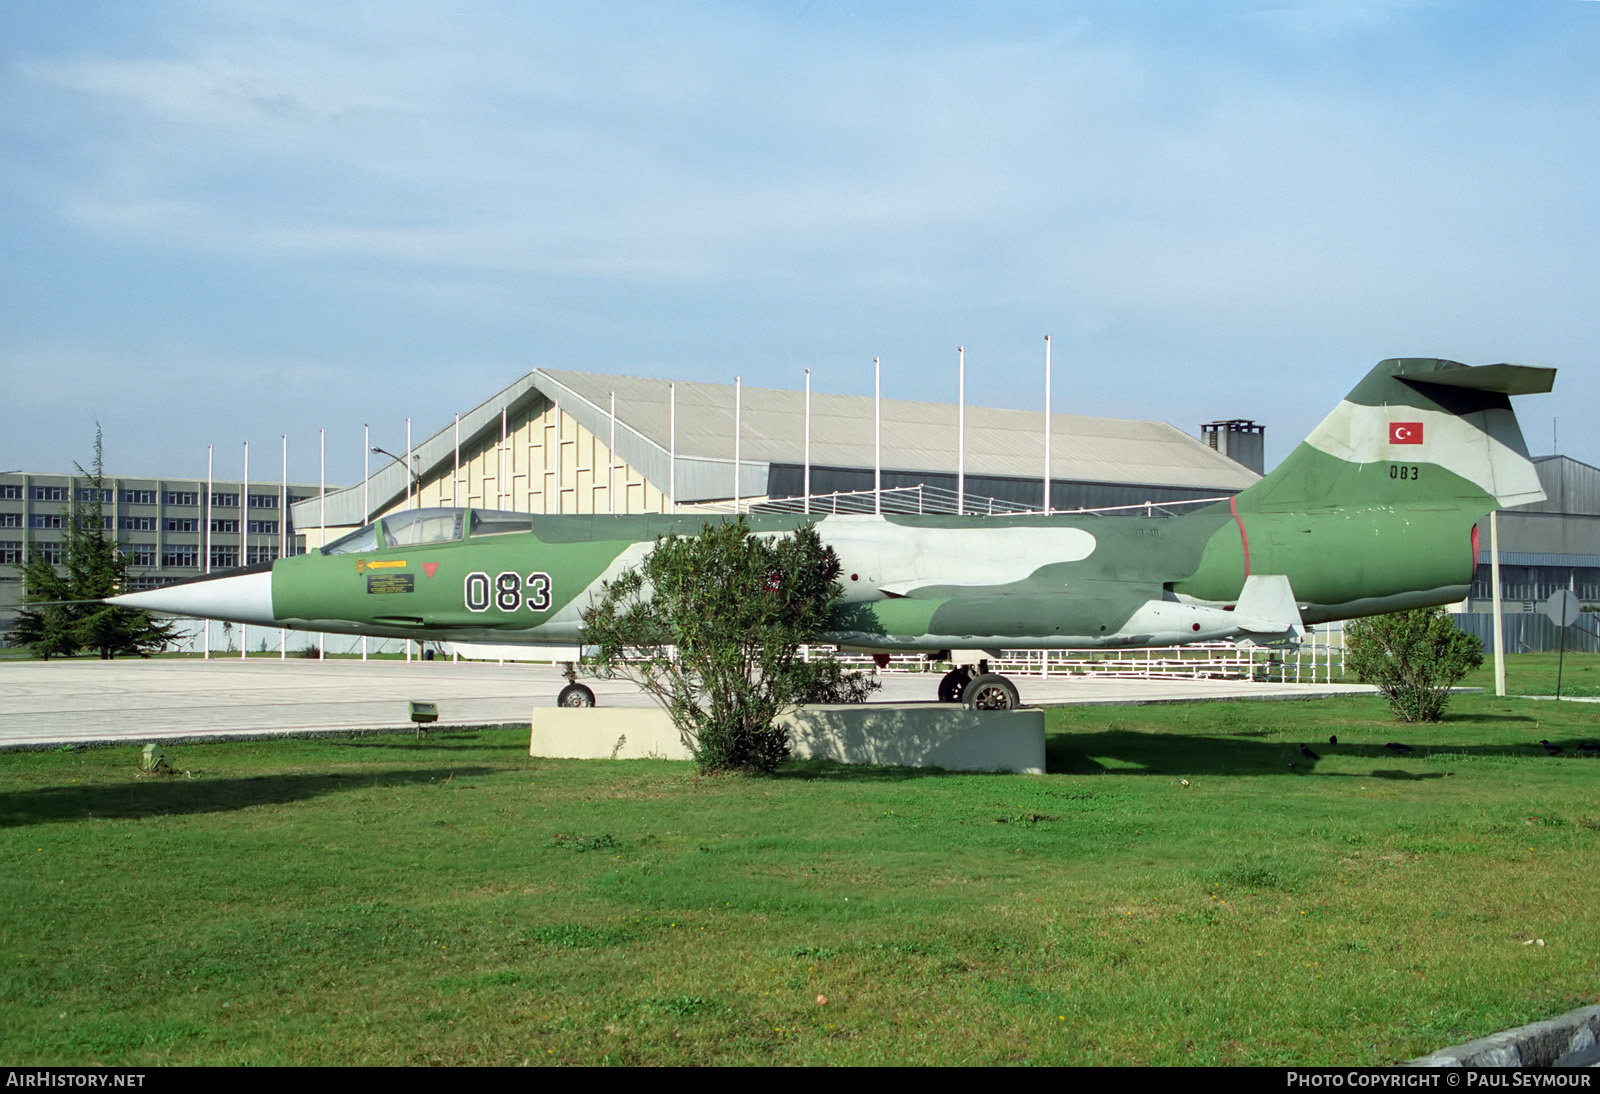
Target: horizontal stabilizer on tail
[{"x": 1501, "y": 379}]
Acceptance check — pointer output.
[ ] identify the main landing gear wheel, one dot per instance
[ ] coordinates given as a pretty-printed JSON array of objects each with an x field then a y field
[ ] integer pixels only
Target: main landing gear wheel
[
  {"x": 953, "y": 684},
  {"x": 991, "y": 692},
  {"x": 575, "y": 695}
]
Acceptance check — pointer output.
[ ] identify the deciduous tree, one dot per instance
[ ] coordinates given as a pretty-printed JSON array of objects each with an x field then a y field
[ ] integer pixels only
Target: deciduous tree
[{"x": 711, "y": 626}]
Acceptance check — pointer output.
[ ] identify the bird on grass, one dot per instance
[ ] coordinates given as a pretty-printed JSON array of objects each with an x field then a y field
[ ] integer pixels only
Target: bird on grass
[
  {"x": 1550, "y": 749},
  {"x": 1305, "y": 751},
  {"x": 1333, "y": 738},
  {"x": 1588, "y": 746},
  {"x": 1397, "y": 747}
]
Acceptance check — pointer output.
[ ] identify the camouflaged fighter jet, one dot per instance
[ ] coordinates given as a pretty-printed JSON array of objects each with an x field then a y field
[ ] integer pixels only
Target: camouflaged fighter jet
[{"x": 1376, "y": 511}]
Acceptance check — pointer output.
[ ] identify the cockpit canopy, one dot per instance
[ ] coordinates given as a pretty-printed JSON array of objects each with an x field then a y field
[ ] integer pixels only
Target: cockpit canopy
[{"x": 416, "y": 527}]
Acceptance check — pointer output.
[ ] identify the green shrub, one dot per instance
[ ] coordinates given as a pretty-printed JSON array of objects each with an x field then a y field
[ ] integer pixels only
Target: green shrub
[{"x": 1413, "y": 657}]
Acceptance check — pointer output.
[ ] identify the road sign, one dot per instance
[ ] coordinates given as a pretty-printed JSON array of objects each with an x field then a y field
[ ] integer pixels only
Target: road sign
[{"x": 1562, "y": 608}]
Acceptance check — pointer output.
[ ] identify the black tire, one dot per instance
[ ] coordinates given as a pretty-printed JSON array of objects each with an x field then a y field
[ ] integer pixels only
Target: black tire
[
  {"x": 952, "y": 684},
  {"x": 575, "y": 695},
  {"x": 991, "y": 692}
]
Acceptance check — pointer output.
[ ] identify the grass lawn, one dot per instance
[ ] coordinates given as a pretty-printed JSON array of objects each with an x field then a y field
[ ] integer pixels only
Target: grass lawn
[
  {"x": 1535, "y": 673},
  {"x": 383, "y": 900}
]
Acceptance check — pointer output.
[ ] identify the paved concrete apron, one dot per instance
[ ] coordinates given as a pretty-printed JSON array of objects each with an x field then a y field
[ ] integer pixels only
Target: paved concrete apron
[{"x": 66, "y": 701}]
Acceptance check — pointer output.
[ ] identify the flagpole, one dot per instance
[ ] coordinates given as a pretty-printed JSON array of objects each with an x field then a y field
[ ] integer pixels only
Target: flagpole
[
  {"x": 807, "y": 484},
  {"x": 1047, "y": 424},
  {"x": 961, "y": 431},
  {"x": 283, "y": 534},
  {"x": 244, "y": 540},
  {"x": 207, "y": 563},
  {"x": 366, "y": 502},
  {"x": 1494, "y": 583},
  {"x": 322, "y": 516},
  {"x": 408, "y": 500},
  {"x": 877, "y": 437}
]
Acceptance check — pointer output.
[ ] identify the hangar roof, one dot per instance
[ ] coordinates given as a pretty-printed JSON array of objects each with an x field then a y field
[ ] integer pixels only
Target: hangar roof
[{"x": 917, "y": 437}]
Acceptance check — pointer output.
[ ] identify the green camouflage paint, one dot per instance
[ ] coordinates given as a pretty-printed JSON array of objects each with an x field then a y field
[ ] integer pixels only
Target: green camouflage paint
[{"x": 1374, "y": 511}]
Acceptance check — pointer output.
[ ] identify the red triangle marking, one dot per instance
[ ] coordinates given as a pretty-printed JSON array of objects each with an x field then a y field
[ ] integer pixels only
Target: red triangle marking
[{"x": 430, "y": 567}]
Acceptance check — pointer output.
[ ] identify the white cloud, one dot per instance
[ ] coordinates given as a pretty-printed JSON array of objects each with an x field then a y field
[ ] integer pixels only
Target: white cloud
[{"x": 1225, "y": 182}]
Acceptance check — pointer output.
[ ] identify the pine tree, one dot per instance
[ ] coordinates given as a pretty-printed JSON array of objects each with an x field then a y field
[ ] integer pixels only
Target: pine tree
[
  {"x": 67, "y": 613},
  {"x": 44, "y": 626},
  {"x": 96, "y": 569}
]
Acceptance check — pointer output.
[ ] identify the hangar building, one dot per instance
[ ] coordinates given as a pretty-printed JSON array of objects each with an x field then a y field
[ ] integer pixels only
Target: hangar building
[
  {"x": 551, "y": 443},
  {"x": 1544, "y": 547}
]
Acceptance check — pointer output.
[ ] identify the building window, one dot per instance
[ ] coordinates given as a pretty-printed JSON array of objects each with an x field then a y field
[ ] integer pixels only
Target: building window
[
  {"x": 86, "y": 493},
  {"x": 49, "y": 493},
  {"x": 106, "y": 523},
  {"x": 224, "y": 558},
  {"x": 140, "y": 554},
  {"x": 10, "y": 520},
  {"x": 224, "y": 526},
  {"x": 225, "y": 501},
  {"x": 139, "y": 497},
  {"x": 136, "y": 584},
  {"x": 182, "y": 524},
  {"x": 11, "y": 551},
  {"x": 139, "y": 524},
  {"x": 261, "y": 554},
  {"x": 182, "y": 497},
  {"x": 50, "y": 552},
  {"x": 48, "y": 520},
  {"x": 263, "y": 527},
  {"x": 181, "y": 556},
  {"x": 11, "y": 492},
  {"x": 263, "y": 501}
]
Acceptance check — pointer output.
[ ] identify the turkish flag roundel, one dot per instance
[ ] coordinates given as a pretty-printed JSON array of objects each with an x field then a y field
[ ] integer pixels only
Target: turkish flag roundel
[{"x": 1405, "y": 432}]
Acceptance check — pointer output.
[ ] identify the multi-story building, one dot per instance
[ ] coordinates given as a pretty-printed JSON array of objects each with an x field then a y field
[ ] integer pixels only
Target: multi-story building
[{"x": 169, "y": 529}]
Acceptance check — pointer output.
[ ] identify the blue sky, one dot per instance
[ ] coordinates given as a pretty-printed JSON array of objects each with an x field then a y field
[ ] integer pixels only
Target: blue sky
[{"x": 227, "y": 222}]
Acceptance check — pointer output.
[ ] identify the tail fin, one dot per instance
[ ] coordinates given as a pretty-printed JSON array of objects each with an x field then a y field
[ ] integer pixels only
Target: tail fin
[{"x": 1415, "y": 430}]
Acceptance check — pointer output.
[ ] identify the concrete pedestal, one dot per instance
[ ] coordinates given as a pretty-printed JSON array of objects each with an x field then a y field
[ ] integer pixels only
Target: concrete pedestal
[{"x": 901, "y": 734}]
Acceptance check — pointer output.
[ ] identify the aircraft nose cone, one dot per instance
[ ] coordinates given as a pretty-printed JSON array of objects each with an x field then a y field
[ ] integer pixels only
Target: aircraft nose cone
[{"x": 238, "y": 598}]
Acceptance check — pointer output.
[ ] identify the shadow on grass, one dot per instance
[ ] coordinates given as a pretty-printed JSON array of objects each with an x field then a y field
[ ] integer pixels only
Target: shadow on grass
[
  {"x": 1497, "y": 719},
  {"x": 831, "y": 771},
  {"x": 435, "y": 744},
  {"x": 1116, "y": 752},
  {"x": 174, "y": 795}
]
